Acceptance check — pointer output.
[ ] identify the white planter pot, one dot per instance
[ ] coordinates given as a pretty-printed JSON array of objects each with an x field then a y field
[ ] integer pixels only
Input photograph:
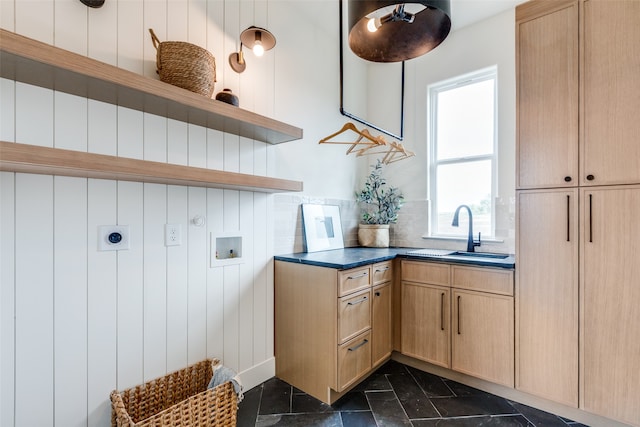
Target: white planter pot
[{"x": 373, "y": 235}]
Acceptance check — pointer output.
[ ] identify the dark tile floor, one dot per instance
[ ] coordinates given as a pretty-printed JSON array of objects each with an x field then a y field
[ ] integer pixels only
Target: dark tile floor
[{"x": 394, "y": 395}]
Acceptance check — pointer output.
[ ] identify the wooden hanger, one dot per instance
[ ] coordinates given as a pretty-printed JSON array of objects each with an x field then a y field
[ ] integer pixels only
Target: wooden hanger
[
  {"x": 364, "y": 137},
  {"x": 367, "y": 144}
]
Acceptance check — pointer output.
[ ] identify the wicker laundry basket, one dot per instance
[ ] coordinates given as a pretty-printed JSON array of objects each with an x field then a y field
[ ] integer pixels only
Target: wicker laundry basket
[
  {"x": 179, "y": 399},
  {"x": 185, "y": 65}
]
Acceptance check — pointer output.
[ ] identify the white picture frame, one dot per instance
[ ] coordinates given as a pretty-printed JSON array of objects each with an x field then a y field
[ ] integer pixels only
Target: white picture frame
[{"x": 322, "y": 227}]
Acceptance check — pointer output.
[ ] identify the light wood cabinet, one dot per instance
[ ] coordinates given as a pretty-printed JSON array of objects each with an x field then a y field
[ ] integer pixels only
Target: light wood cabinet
[
  {"x": 332, "y": 327},
  {"x": 425, "y": 322},
  {"x": 610, "y": 76},
  {"x": 381, "y": 312},
  {"x": 547, "y": 93},
  {"x": 601, "y": 253},
  {"x": 482, "y": 338},
  {"x": 459, "y": 317},
  {"x": 547, "y": 294},
  {"x": 610, "y": 291},
  {"x": 577, "y": 93}
]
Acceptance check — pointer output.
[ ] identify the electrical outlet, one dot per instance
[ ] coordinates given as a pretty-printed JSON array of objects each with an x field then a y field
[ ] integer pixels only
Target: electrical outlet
[
  {"x": 113, "y": 237},
  {"x": 172, "y": 234}
]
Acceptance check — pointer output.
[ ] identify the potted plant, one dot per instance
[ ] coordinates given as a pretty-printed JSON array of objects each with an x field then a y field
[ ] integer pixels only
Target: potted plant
[{"x": 380, "y": 205}]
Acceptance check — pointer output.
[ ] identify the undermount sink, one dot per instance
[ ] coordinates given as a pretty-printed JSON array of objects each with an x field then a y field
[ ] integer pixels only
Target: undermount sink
[{"x": 479, "y": 255}]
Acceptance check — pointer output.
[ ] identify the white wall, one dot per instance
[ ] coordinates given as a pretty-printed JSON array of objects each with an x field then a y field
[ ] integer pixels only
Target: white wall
[{"x": 77, "y": 323}]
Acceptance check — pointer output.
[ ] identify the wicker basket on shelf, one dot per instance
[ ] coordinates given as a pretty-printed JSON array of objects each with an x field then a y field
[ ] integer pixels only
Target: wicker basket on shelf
[
  {"x": 179, "y": 399},
  {"x": 185, "y": 65}
]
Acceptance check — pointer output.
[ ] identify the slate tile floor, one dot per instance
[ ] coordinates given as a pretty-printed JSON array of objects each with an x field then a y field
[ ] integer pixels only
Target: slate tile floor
[{"x": 394, "y": 395}]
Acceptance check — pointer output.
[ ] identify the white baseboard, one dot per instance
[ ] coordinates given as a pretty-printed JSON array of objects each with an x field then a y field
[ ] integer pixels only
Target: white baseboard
[{"x": 258, "y": 374}]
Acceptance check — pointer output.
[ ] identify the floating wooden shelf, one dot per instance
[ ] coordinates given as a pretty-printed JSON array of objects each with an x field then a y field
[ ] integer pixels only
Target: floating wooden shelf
[
  {"x": 54, "y": 161},
  {"x": 33, "y": 62}
]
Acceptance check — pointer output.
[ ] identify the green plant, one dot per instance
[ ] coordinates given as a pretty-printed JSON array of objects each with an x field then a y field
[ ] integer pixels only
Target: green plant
[{"x": 380, "y": 202}]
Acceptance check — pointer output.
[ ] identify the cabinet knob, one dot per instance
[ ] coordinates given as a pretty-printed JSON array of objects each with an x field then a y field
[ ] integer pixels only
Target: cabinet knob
[
  {"x": 377, "y": 294},
  {"x": 567, "y": 179},
  {"x": 590, "y": 177}
]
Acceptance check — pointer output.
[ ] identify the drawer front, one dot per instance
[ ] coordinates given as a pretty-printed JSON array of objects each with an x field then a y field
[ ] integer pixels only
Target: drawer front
[
  {"x": 426, "y": 272},
  {"x": 497, "y": 281},
  {"x": 354, "y": 315},
  {"x": 354, "y": 360},
  {"x": 354, "y": 280},
  {"x": 382, "y": 272}
]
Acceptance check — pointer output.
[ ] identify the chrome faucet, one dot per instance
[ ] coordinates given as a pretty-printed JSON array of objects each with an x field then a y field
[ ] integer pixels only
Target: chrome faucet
[{"x": 471, "y": 244}]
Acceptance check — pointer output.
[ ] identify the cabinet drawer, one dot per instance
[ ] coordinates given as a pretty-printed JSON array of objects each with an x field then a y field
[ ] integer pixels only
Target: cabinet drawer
[
  {"x": 382, "y": 272},
  {"x": 353, "y": 280},
  {"x": 426, "y": 272},
  {"x": 483, "y": 279},
  {"x": 354, "y": 360},
  {"x": 354, "y": 315}
]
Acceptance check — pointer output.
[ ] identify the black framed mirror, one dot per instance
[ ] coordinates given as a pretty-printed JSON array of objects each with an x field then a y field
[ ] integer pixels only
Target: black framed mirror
[{"x": 389, "y": 92}]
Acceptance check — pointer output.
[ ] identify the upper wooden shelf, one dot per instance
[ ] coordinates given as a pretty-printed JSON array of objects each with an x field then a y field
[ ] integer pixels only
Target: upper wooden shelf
[
  {"x": 26, "y": 158},
  {"x": 33, "y": 62}
]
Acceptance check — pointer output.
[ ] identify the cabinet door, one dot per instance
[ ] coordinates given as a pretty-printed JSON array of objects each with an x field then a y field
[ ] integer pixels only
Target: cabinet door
[
  {"x": 482, "y": 340},
  {"x": 381, "y": 323},
  {"x": 610, "y": 290},
  {"x": 547, "y": 94},
  {"x": 425, "y": 322},
  {"x": 547, "y": 294},
  {"x": 611, "y": 100}
]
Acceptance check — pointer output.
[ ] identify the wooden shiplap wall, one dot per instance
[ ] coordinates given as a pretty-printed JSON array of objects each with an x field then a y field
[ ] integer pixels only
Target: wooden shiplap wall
[{"x": 77, "y": 323}]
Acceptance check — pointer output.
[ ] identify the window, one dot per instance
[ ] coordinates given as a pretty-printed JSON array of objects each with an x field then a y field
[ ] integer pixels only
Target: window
[{"x": 462, "y": 142}]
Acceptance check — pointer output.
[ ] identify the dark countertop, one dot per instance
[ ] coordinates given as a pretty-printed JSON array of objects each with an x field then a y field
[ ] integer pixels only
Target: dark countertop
[{"x": 346, "y": 258}]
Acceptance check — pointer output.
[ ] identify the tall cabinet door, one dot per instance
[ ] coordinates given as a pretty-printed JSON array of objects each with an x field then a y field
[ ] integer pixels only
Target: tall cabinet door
[
  {"x": 611, "y": 100},
  {"x": 547, "y": 289},
  {"x": 547, "y": 93},
  {"x": 610, "y": 289}
]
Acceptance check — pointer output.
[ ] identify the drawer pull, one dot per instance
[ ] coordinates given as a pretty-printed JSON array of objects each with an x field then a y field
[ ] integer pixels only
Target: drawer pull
[
  {"x": 382, "y": 271},
  {"x": 356, "y": 302},
  {"x": 358, "y": 346},
  {"x": 357, "y": 276}
]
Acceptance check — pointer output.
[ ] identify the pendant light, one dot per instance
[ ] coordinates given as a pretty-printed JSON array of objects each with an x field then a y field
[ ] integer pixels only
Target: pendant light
[{"x": 389, "y": 31}]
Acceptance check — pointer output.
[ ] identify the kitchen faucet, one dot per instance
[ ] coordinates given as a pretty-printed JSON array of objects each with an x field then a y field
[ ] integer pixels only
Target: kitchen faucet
[{"x": 471, "y": 244}]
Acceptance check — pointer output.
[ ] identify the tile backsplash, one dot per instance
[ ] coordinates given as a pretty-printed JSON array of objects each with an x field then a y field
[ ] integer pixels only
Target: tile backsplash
[{"x": 412, "y": 225}]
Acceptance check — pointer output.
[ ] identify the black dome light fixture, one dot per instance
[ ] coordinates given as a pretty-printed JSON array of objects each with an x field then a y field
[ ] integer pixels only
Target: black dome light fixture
[{"x": 389, "y": 31}]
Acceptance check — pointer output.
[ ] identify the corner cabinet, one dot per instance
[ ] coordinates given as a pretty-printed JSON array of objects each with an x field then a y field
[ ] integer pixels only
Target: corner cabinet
[
  {"x": 459, "y": 317},
  {"x": 332, "y": 327},
  {"x": 36, "y": 63}
]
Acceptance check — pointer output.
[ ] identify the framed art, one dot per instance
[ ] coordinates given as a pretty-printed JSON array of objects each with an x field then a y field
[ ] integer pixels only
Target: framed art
[{"x": 322, "y": 227}]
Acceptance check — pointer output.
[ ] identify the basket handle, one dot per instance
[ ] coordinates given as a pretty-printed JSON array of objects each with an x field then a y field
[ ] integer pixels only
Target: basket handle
[{"x": 154, "y": 38}]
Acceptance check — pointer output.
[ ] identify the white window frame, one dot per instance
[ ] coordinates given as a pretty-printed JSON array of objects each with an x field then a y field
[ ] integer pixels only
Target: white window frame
[{"x": 488, "y": 73}]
